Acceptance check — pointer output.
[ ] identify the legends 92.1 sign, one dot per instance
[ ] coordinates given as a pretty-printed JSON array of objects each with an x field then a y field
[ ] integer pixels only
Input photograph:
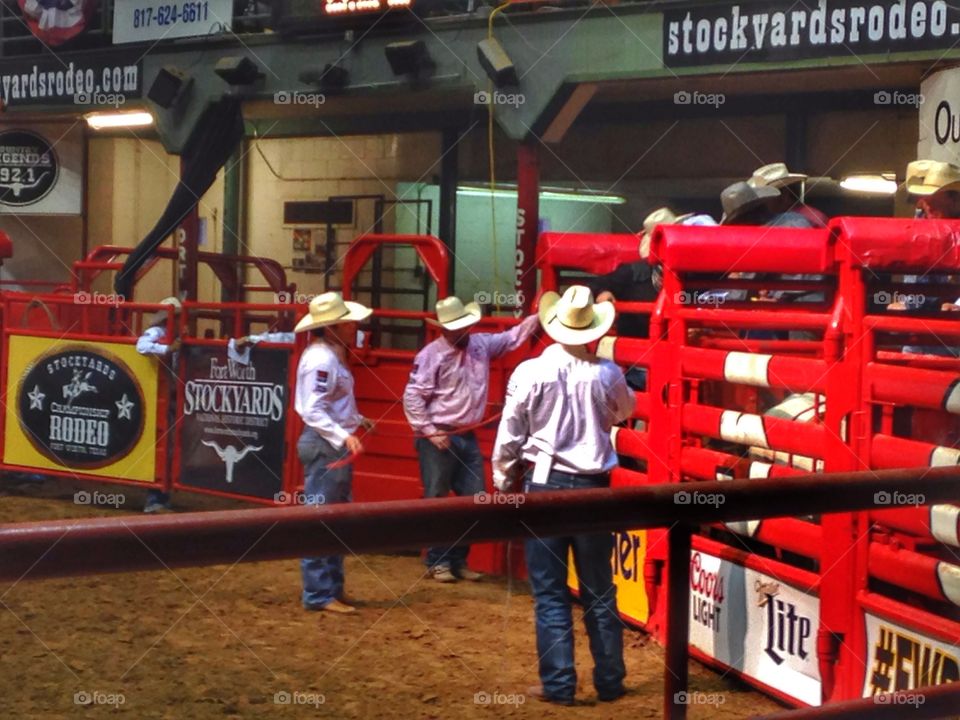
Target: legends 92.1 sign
[{"x": 41, "y": 170}]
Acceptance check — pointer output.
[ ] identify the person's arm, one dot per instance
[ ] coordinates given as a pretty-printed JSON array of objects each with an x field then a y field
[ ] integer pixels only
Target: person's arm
[
  {"x": 511, "y": 434},
  {"x": 622, "y": 400},
  {"x": 322, "y": 379},
  {"x": 147, "y": 344},
  {"x": 499, "y": 344},
  {"x": 419, "y": 391}
]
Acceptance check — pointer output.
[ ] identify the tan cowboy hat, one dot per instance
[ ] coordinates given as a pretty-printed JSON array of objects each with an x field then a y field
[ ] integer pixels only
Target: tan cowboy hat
[
  {"x": 741, "y": 198},
  {"x": 774, "y": 175},
  {"x": 660, "y": 216},
  {"x": 331, "y": 309},
  {"x": 925, "y": 177},
  {"x": 574, "y": 319},
  {"x": 160, "y": 316},
  {"x": 454, "y": 315}
]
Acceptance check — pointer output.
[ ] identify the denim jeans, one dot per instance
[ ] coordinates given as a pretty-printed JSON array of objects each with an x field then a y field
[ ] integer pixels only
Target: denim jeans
[
  {"x": 459, "y": 469},
  {"x": 547, "y": 568},
  {"x": 322, "y": 576}
]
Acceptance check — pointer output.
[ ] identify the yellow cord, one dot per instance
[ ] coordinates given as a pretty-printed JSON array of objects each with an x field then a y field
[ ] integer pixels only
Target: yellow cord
[{"x": 492, "y": 159}]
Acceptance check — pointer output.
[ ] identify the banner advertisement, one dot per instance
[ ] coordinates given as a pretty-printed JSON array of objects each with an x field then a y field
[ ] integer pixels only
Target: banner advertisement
[
  {"x": 41, "y": 170},
  {"x": 899, "y": 659},
  {"x": 232, "y": 434},
  {"x": 629, "y": 553},
  {"x": 756, "y": 624},
  {"x": 85, "y": 407}
]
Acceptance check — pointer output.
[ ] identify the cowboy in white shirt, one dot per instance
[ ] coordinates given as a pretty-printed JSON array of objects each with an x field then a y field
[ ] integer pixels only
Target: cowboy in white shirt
[
  {"x": 445, "y": 398},
  {"x": 325, "y": 400},
  {"x": 557, "y": 418}
]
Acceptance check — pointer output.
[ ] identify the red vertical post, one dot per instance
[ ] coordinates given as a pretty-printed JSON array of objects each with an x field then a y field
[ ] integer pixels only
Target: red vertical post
[
  {"x": 528, "y": 226},
  {"x": 187, "y": 239}
]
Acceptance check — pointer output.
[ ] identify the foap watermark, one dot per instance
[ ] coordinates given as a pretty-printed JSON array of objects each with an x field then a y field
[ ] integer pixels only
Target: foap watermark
[
  {"x": 684, "y": 497},
  {"x": 684, "y": 97},
  {"x": 898, "y": 498},
  {"x": 293, "y": 298},
  {"x": 685, "y": 697},
  {"x": 97, "y": 298},
  {"x": 285, "y": 97},
  {"x": 96, "y": 697},
  {"x": 299, "y": 498},
  {"x": 895, "y": 97},
  {"x": 485, "y": 498},
  {"x": 498, "y": 98},
  {"x": 100, "y": 99},
  {"x": 498, "y": 698},
  {"x": 686, "y": 297},
  {"x": 900, "y": 697},
  {"x": 99, "y": 499},
  {"x": 296, "y": 697},
  {"x": 892, "y": 298},
  {"x": 498, "y": 298}
]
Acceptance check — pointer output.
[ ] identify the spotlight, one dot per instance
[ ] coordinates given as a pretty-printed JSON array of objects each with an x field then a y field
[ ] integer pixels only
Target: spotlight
[
  {"x": 239, "y": 70},
  {"x": 408, "y": 57},
  {"x": 496, "y": 63},
  {"x": 169, "y": 87}
]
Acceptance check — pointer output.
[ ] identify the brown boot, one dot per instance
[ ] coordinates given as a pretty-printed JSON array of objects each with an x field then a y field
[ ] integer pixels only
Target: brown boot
[{"x": 335, "y": 606}]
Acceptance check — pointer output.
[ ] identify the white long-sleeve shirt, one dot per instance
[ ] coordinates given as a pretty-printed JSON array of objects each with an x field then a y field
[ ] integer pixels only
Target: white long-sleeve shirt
[
  {"x": 150, "y": 342},
  {"x": 558, "y": 414},
  {"x": 324, "y": 396},
  {"x": 449, "y": 385}
]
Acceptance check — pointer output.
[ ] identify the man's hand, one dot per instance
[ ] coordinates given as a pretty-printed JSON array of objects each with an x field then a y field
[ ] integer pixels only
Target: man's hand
[
  {"x": 241, "y": 343},
  {"x": 605, "y": 296},
  {"x": 174, "y": 346},
  {"x": 367, "y": 424},
  {"x": 353, "y": 444},
  {"x": 440, "y": 442}
]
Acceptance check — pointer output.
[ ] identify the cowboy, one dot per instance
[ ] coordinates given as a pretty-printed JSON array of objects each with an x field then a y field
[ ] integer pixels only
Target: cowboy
[
  {"x": 444, "y": 400},
  {"x": 792, "y": 187},
  {"x": 156, "y": 341},
  {"x": 559, "y": 411},
  {"x": 936, "y": 185},
  {"x": 326, "y": 403}
]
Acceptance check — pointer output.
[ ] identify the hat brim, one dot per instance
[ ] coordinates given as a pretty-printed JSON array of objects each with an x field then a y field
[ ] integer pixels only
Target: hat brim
[
  {"x": 355, "y": 313},
  {"x": 762, "y": 198},
  {"x": 473, "y": 315},
  {"x": 927, "y": 190},
  {"x": 604, "y": 315}
]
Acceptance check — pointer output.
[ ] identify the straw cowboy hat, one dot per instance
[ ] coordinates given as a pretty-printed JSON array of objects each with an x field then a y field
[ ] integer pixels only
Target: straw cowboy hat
[
  {"x": 574, "y": 319},
  {"x": 741, "y": 198},
  {"x": 160, "y": 316},
  {"x": 925, "y": 177},
  {"x": 454, "y": 315},
  {"x": 660, "y": 216},
  {"x": 331, "y": 309},
  {"x": 774, "y": 175}
]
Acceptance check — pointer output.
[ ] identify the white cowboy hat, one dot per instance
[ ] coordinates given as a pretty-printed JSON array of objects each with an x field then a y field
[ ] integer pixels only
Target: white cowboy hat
[
  {"x": 160, "y": 316},
  {"x": 454, "y": 315},
  {"x": 660, "y": 216},
  {"x": 574, "y": 319},
  {"x": 331, "y": 309},
  {"x": 741, "y": 197},
  {"x": 925, "y": 177},
  {"x": 774, "y": 175}
]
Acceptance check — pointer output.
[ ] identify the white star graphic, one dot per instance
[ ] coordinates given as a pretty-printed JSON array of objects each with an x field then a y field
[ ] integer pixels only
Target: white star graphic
[
  {"x": 36, "y": 398},
  {"x": 123, "y": 407}
]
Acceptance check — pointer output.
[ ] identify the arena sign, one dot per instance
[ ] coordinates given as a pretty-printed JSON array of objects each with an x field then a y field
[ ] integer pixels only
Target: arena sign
[
  {"x": 232, "y": 435},
  {"x": 724, "y": 32},
  {"x": 900, "y": 660},
  {"x": 84, "y": 407},
  {"x": 29, "y": 168},
  {"x": 627, "y": 561},
  {"x": 940, "y": 117},
  {"x": 65, "y": 80}
]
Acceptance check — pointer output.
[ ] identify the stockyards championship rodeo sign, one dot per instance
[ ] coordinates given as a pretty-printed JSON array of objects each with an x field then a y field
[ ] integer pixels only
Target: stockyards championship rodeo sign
[
  {"x": 232, "y": 435},
  {"x": 89, "y": 408}
]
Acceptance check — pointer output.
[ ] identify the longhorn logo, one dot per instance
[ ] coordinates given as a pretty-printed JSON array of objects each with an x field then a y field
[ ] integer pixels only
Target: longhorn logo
[{"x": 230, "y": 455}]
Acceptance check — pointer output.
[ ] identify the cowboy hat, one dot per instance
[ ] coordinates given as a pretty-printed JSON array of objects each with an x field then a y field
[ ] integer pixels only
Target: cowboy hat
[
  {"x": 741, "y": 198},
  {"x": 774, "y": 175},
  {"x": 660, "y": 216},
  {"x": 331, "y": 309},
  {"x": 454, "y": 315},
  {"x": 573, "y": 318},
  {"x": 160, "y": 316},
  {"x": 925, "y": 177}
]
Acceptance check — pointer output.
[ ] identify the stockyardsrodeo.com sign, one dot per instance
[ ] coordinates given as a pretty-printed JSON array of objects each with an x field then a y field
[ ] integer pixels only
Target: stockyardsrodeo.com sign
[
  {"x": 767, "y": 31},
  {"x": 86, "y": 407}
]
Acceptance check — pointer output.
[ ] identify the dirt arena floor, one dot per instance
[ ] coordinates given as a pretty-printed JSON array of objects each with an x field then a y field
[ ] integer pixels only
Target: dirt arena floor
[{"x": 232, "y": 642}]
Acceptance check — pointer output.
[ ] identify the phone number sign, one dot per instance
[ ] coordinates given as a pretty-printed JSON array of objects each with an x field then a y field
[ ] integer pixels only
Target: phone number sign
[{"x": 145, "y": 20}]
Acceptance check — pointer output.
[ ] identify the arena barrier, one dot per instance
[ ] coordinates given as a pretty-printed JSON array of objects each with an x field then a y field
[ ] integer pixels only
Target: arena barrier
[{"x": 63, "y": 548}]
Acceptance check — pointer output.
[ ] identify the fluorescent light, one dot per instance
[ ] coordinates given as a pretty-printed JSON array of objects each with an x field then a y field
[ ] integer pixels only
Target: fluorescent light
[
  {"x": 883, "y": 184},
  {"x": 598, "y": 199},
  {"x": 102, "y": 121}
]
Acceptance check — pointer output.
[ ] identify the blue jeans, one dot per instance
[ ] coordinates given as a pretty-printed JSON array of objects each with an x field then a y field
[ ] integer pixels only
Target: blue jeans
[
  {"x": 460, "y": 469},
  {"x": 547, "y": 568},
  {"x": 322, "y": 576}
]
